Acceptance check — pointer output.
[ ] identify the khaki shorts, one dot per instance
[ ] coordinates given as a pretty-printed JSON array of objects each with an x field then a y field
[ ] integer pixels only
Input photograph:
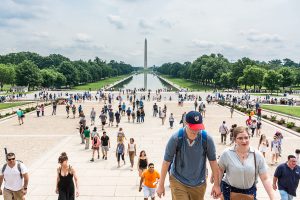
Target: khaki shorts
[
  {"x": 13, "y": 195},
  {"x": 182, "y": 192},
  {"x": 105, "y": 148},
  {"x": 131, "y": 155}
]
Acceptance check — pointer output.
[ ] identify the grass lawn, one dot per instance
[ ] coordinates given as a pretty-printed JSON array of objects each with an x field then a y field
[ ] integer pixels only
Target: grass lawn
[
  {"x": 289, "y": 110},
  {"x": 10, "y": 105},
  {"x": 99, "y": 84},
  {"x": 6, "y": 87},
  {"x": 187, "y": 84},
  {"x": 264, "y": 94}
]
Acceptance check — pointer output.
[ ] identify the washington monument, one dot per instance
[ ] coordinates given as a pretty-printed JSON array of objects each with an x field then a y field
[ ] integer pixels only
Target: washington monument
[
  {"x": 145, "y": 54},
  {"x": 145, "y": 64}
]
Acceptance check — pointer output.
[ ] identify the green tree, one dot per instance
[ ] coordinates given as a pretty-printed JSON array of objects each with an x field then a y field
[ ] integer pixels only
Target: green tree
[
  {"x": 49, "y": 77},
  {"x": 70, "y": 72},
  {"x": 60, "y": 80},
  {"x": 28, "y": 74},
  {"x": 253, "y": 76},
  {"x": 297, "y": 77},
  {"x": 272, "y": 80},
  {"x": 238, "y": 70},
  {"x": 7, "y": 75},
  {"x": 288, "y": 77},
  {"x": 225, "y": 80}
]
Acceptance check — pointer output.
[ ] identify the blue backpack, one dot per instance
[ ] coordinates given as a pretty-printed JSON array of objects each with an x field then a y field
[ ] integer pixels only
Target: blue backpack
[{"x": 180, "y": 141}]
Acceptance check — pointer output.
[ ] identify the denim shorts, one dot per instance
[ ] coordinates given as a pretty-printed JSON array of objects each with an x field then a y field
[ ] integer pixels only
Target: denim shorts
[{"x": 284, "y": 195}]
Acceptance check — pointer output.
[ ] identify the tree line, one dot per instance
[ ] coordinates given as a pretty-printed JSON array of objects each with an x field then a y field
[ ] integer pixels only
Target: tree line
[
  {"x": 215, "y": 70},
  {"x": 55, "y": 71}
]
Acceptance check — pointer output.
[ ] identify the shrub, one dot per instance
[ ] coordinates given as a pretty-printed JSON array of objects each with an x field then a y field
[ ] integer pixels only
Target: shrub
[
  {"x": 281, "y": 121},
  {"x": 27, "y": 110},
  {"x": 273, "y": 118},
  {"x": 298, "y": 129},
  {"x": 221, "y": 103},
  {"x": 243, "y": 110},
  {"x": 7, "y": 114},
  {"x": 290, "y": 124},
  {"x": 265, "y": 116}
]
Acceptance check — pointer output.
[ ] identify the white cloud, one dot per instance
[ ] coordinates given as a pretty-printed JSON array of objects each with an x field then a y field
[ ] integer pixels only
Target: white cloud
[
  {"x": 145, "y": 24},
  {"x": 166, "y": 23},
  {"x": 84, "y": 30},
  {"x": 203, "y": 43},
  {"x": 255, "y": 36},
  {"x": 82, "y": 37},
  {"x": 166, "y": 39},
  {"x": 41, "y": 34},
  {"x": 117, "y": 21}
]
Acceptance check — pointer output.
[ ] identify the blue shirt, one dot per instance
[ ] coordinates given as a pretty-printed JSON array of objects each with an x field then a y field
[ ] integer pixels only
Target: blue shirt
[
  {"x": 191, "y": 162},
  {"x": 288, "y": 179}
]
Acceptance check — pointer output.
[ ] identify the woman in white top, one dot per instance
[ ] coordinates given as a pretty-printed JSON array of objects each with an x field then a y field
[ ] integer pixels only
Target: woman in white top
[
  {"x": 242, "y": 165},
  {"x": 275, "y": 146},
  {"x": 131, "y": 152},
  {"x": 263, "y": 144}
]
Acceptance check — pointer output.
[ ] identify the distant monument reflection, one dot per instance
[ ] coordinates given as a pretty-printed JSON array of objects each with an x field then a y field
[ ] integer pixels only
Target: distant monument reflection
[{"x": 145, "y": 80}]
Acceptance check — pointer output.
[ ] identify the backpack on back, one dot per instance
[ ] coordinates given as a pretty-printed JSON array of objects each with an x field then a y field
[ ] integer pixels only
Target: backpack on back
[
  {"x": 18, "y": 166},
  {"x": 180, "y": 142}
]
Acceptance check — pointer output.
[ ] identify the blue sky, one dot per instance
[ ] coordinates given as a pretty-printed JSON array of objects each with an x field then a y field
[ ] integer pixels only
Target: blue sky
[{"x": 177, "y": 30}]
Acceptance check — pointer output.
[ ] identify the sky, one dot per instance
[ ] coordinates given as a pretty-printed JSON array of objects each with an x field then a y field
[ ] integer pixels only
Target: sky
[{"x": 176, "y": 30}]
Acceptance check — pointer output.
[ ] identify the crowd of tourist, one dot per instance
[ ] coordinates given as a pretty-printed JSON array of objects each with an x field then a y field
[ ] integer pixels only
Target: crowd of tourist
[{"x": 234, "y": 175}]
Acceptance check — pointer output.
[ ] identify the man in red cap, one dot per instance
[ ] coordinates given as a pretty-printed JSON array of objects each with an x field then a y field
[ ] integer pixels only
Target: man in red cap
[{"x": 186, "y": 152}]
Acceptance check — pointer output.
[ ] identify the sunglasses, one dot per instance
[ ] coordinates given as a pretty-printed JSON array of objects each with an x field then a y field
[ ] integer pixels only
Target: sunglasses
[{"x": 10, "y": 159}]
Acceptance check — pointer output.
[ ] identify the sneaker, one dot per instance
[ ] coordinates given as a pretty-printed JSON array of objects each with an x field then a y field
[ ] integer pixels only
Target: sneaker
[
  {"x": 105, "y": 158},
  {"x": 92, "y": 160},
  {"x": 98, "y": 156}
]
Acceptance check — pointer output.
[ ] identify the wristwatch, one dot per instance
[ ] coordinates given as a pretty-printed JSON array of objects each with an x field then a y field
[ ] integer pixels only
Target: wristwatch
[{"x": 25, "y": 188}]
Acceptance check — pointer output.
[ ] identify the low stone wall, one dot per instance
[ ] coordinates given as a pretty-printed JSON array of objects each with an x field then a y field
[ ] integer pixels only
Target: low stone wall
[
  {"x": 117, "y": 82},
  {"x": 177, "y": 87}
]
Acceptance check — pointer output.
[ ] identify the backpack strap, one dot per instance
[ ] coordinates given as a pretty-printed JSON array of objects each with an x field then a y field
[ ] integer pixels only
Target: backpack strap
[
  {"x": 204, "y": 140},
  {"x": 255, "y": 165},
  {"x": 180, "y": 139},
  {"x": 18, "y": 166},
  {"x": 19, "y": 169},
  {"x": 3, "y": 168}
]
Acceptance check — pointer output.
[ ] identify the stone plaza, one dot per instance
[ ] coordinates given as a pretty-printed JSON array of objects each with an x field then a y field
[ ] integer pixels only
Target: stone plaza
[{"x": 39, "y": 142}]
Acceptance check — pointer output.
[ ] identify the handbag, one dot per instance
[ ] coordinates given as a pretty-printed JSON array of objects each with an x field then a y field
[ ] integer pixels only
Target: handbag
[{"x": 241, "y": 196}]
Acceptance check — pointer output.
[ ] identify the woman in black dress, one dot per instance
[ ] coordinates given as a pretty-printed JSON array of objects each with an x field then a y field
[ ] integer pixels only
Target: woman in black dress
[
  {"x": 65, "y": 184},
  {"x": 142, "y": 162}
]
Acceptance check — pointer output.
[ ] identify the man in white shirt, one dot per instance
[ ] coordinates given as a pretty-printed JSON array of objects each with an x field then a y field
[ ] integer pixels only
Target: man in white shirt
[
  {"x": 224, "y": 131},
  {"x": 13, "y": 173}
]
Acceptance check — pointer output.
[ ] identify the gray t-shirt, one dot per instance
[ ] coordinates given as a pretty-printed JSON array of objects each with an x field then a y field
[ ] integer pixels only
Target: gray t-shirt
[
  {"x": 191, "y": 161},
  {"x": 103, "y": 117},
  {"x": 241, "y": 175}
]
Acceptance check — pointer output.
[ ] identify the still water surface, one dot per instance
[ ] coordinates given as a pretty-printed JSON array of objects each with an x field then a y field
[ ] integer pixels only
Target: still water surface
[{"x": 143, "y": 80}]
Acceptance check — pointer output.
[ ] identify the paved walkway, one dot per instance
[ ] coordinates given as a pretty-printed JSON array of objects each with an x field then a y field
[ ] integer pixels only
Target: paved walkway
[{"x": 40, "y": 141}]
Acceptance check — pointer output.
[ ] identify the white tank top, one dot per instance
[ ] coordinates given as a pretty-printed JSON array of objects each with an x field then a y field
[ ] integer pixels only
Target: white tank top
[{"x": 131, "y": 147}]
